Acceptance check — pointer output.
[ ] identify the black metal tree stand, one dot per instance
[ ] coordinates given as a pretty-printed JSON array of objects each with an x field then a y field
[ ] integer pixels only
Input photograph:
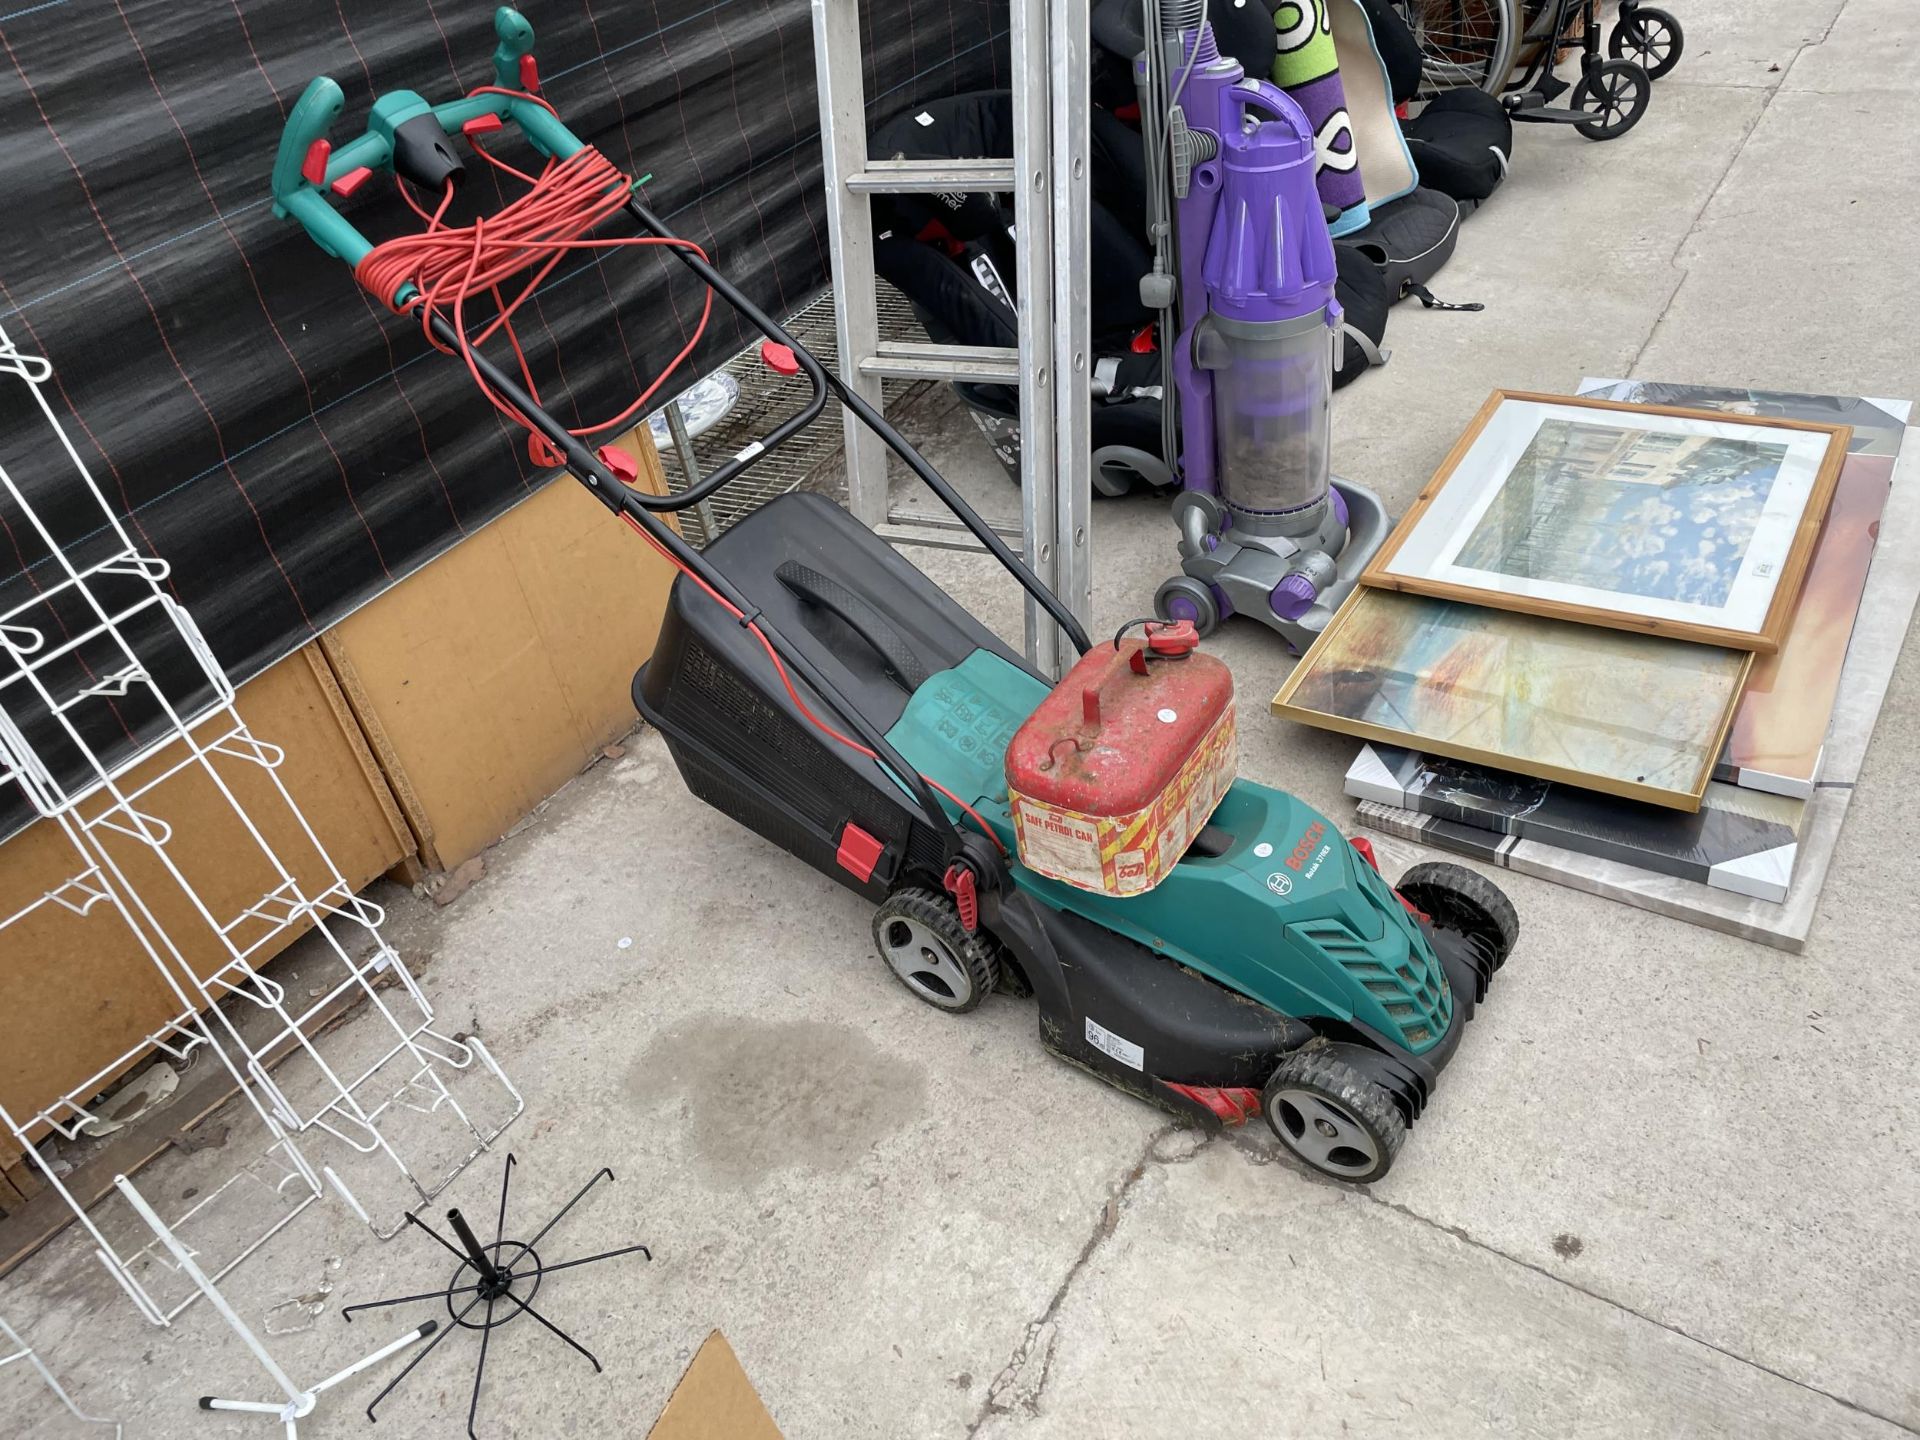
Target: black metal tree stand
[{"x": 503, "y": 1276}]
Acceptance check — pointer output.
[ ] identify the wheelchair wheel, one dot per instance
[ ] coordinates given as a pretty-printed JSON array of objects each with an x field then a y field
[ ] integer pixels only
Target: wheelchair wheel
[
  {"x": 1464, "y": 44},
  {"x": 1615, "y": 93},
  {"x": 1652, "y": 38}
]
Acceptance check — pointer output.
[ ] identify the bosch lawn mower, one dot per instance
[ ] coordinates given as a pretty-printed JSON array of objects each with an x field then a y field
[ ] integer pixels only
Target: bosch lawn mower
[{"x": 1202, "y": 942}]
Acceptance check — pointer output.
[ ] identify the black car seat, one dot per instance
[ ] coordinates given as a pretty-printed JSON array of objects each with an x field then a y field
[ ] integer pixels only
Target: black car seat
[
  {"x": 1461, "y": 139},
  {"x": 953, "y": 257}
]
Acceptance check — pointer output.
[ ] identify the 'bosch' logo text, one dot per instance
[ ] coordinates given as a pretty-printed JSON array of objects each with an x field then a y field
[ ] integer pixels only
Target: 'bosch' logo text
[{"x": 1298, "y": 859}]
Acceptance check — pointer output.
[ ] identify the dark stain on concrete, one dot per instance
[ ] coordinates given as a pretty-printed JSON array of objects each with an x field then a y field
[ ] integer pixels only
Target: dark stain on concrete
[
  {"x": 1568, "y": 1247},
  {"x": 760, "y": 1096}
]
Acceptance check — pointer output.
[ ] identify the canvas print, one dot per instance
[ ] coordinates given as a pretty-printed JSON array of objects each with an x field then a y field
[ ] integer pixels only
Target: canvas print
[
  {"x": 1738, "y": 840},
  {"x": 1780, "y": 728},
  {"x": 1634, "y": 715},
  {"x": 1784, "y": 924},
  {"x": 1877, "y": 425},
  {"x": 1779, "y": 731},
  {"x": 1678, "y": 523},
  {"x": 1629, "y": 510}
]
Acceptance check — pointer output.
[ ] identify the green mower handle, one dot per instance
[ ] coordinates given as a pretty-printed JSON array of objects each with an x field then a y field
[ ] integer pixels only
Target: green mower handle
[{"x": 307, "y": 168}]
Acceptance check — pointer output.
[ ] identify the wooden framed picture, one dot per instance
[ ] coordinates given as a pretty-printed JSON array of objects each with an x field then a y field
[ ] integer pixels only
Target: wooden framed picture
[
  {"x": 1690, "y": 524},
  {"x": 1636, "y": 715}
]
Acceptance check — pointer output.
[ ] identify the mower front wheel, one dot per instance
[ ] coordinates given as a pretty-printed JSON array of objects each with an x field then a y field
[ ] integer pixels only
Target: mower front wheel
[
  {"x": 1465, "y": 901},
  {"x": 1332, "y": 1117},
  {"x": 920, "y": 936}
]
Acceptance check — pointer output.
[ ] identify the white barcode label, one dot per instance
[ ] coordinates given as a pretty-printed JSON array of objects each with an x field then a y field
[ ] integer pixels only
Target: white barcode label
[{"x": 1125, "y": 1051}]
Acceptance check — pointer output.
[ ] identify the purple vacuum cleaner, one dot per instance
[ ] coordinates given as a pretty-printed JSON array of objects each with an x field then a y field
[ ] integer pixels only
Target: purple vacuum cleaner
[{"x": 1244, "y": 272}]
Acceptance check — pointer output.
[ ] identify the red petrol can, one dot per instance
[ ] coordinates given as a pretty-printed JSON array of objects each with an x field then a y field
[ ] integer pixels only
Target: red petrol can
[{"x": 1117, "y": 770}]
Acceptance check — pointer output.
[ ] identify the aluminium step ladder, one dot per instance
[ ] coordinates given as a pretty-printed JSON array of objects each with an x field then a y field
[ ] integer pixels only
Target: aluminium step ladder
[{"x": 1048, "y": 179}]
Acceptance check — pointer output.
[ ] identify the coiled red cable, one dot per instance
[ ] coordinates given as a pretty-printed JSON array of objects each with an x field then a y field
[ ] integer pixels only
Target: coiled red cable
[{"x": 448, "y": 265}]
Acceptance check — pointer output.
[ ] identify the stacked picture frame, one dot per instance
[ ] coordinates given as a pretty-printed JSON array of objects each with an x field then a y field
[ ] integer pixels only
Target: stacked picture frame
[{"x": 1750, "y": 853}]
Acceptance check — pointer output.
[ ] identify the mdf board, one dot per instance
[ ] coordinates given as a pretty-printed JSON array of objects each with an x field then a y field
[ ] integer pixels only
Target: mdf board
[
  {"x": 490, "y": 677},
  {"x": 77, "y": 992}
]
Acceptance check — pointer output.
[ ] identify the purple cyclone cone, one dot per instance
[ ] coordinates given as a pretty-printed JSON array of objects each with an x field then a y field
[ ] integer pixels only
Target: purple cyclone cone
[
  {"x": 1339, "y": 505},
  {"x": 1293, "y": 596}
]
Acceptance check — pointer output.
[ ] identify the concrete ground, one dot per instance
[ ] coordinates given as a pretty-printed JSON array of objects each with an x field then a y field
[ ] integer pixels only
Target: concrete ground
[{"x": 1670, "y": 1186}]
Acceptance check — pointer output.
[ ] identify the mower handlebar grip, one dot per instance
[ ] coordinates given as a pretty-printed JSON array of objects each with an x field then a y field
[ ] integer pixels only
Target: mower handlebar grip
[
  {"x": 300, "y": 189},
  {"x": 312, "y": 117},
  {"x": 516, "y": 42}
]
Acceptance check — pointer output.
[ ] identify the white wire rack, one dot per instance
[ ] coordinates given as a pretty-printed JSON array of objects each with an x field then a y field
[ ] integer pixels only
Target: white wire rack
[
  {"x": 288, "y": 1181},
  {"x": 15, "y": 1350},
  {"x": 111, "y": 707}
]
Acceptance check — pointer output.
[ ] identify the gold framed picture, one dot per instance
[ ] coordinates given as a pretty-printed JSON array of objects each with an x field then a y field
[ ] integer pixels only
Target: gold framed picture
[
  {"x": 1641, "y": 716},
  {"x": 1690, "y": 524}
]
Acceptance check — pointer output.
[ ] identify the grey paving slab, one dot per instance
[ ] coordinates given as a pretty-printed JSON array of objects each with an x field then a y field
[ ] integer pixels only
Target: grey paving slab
[
  {"x": 1229, "y": 1306},
  {"x": 1736, "y": 42},
  {"x": 1870, "y": 46}
]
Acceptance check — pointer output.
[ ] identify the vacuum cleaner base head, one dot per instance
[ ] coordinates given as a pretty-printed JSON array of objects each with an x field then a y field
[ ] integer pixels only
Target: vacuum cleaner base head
[{"x": 1284, "y": 582}]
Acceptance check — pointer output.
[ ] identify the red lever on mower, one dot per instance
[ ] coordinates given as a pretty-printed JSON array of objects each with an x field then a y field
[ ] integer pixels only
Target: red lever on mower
[
  {"x": 778, "y": 358},
  {"x": 959, "y": 884},
  {"x": 624, "y": 467}
]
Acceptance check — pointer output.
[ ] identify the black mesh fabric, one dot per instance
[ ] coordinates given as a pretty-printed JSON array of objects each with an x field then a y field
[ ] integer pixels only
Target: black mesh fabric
[{"x": 288, "y": 446}]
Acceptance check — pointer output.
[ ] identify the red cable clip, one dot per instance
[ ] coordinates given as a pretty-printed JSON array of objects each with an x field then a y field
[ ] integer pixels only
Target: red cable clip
[
  {"x": 313, "y": 169},
  {"x": 543, "y": 452},
  {"x": 529, "y": 75},
  {"x": 624, "y": 467},
  {"x": 779, "y": 358},
  {"x": 351, "y": 181},
  {"x": 482, "y": 125},
  {"x": 960, "y": 885},
  {"x": 1143, "y": 343}
]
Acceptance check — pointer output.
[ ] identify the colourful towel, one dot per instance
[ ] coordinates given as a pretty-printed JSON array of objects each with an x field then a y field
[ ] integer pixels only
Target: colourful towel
[{"x": 1308, "y": 68}]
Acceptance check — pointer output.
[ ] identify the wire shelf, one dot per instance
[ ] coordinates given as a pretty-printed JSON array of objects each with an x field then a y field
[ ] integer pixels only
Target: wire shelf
[{"x": 123, "y": 639}]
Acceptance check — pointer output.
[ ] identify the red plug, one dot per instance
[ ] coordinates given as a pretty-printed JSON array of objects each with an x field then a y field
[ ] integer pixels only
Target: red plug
[{"x": 778, "y": 358}]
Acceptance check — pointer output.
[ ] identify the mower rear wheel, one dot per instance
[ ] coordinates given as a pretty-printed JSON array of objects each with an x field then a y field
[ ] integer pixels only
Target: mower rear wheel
[
  {"x": 920, "y": 936},
  {"x": 1466, "y": 902},
  {"x": 1334, "y": 1118}
]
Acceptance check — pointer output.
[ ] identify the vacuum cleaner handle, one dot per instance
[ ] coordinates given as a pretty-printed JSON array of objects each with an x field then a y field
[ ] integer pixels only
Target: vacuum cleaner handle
[{"x": 860, "y": 617}]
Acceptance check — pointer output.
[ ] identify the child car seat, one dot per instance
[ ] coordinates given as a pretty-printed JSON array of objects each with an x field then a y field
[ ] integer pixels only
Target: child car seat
[
  {"x": 953, "y": 257},
  {"x": 1462, "y": 139}
]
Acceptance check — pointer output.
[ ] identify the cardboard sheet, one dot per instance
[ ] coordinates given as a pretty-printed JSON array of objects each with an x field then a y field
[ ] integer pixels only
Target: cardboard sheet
[{"x": 715, "y": 1401}]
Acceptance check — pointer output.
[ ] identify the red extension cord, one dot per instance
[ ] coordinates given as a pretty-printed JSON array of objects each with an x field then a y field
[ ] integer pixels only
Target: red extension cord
[{"x": 449, "y": 265}]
